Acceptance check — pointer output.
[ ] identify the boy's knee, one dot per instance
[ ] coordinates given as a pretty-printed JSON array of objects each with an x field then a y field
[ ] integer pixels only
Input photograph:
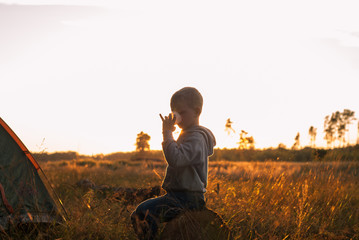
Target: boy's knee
[
  {"x": 139, "y": 212},
  {"x": 133, "y": 216}
]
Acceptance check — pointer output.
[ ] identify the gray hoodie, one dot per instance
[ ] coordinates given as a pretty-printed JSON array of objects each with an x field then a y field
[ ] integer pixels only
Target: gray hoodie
[{"x": 187, "y": 159}]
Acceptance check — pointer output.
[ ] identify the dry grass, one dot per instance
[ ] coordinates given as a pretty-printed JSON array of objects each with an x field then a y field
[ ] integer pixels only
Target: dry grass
[
  {"x": 259, "y": 200},
  {"x": 288, "y": 200}
]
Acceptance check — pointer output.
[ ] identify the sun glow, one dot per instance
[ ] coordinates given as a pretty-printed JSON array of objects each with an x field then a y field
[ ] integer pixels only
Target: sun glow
[{"x": 90, "y": 75}]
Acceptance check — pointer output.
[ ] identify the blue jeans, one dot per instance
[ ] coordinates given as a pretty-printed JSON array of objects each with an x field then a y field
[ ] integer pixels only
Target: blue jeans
[{"x": 150, "y": 213}]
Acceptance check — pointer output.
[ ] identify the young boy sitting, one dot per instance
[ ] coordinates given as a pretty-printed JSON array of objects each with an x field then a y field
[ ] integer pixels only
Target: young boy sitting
[{"x": 187, "y": 165}]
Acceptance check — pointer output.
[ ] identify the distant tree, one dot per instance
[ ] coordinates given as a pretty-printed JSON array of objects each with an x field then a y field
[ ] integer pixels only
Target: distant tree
[
  {"x": 341, "y": 133},
  {"x": 282, "y": 146},
  {"x": 313, "y": 135},
  {"x": 330, "y": 127},
  {"x": 142, "y": 142},
  {"x": 347, "y": 116},
  {"x": 228, "y": 127},
  {"x": 336, "y": 125},
  {"x": 245, "y": 142},
  {"x": 296, "y": 144},
  {"x": 251, "y": 142},
  {"x": 242, "y": 144}
]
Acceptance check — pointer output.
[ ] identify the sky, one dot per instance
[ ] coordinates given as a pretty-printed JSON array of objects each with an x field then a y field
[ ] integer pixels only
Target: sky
[{"x": 88, "y": 76}]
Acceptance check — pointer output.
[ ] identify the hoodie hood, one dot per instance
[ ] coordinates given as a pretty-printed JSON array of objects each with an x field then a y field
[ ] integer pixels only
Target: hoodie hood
[{"x": 208, "y": 136}]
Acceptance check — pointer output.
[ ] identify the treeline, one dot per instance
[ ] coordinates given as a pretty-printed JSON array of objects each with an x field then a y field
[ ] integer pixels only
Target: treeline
[
  {"x": 71, "y": 155},
  {"x": 308, "y": 154},
  {"x": 350, "y": 153},
  {"x": 44, "y": 156}
]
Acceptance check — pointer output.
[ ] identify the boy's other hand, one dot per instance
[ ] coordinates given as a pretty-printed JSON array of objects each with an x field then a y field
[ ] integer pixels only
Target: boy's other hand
[{"x": 168, "y": 122}]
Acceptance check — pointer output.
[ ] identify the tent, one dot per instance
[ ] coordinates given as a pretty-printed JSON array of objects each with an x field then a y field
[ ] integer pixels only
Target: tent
[{"x": 26, "y": 195}]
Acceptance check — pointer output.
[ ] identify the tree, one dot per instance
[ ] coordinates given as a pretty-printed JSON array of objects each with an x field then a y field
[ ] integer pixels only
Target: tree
[
  {"x": 282, "y": 146},
  {"x": 142, "y": 142},
  {"x": 296, "y": 144},
  {"x": 245, "y": 142},
  {"x": 335, "y": 126},
  {"x": 346, "y": 119},
  {"x": 358, "y": 134},
  {"x": 251, "y": 142},
  {"x": 330, "y": 127},
  {"x": 313, "y": 135},
  {"x": 228, "y": 126}
]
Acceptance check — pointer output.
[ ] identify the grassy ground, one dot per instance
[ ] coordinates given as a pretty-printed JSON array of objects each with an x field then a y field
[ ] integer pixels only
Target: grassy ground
[{"x": 258, "y": 200}]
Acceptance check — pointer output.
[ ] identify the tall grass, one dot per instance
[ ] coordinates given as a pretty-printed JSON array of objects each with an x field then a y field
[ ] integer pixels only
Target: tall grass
[
  {"x": 288, "y": 200},
  {"x": 257, "y": 200}
]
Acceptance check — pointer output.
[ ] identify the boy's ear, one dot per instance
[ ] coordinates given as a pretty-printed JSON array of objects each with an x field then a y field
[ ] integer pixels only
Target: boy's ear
[{"x": 197, "y": 110}]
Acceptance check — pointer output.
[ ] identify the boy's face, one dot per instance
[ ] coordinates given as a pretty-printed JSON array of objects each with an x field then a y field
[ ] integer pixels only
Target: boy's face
[{"x": 190, "y": 116}]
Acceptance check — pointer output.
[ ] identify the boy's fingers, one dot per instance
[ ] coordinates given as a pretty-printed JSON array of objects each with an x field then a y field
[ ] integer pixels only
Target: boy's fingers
[
  {"x": 161, "y": 117},
  {"x": 172, "y": 117}
]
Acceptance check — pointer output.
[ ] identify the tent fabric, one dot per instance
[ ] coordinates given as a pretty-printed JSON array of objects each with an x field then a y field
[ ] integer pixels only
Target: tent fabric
[
  {"x": 4, "y": 200},
  {"x": 24, "y": 189},
  {"x": 19, "y": 143}
]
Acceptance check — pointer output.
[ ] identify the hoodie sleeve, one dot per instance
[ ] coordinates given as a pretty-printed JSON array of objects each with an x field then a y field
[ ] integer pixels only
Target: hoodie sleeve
[{"x": 189, "y": 152}]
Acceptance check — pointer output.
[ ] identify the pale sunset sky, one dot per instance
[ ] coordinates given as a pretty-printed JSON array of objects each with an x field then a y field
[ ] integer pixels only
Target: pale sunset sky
[{"x": 89, "y": 75}]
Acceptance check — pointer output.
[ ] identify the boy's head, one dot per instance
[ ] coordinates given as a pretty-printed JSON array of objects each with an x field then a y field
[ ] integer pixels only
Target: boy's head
[{"x": 188, "y": 103}]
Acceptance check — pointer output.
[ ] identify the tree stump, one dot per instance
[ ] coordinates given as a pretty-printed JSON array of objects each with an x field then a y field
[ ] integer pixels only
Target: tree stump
[{"x": 189, "y": 225}]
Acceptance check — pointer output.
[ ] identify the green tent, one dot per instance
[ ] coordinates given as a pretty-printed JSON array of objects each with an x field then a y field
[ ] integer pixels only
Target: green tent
[{"x": 26, "y": 195}]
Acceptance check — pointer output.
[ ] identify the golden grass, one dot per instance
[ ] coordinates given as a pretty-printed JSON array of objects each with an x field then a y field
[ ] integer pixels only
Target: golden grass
[
  {"x": 289, "y": 200},
  {"x": 259, "y": 200}
]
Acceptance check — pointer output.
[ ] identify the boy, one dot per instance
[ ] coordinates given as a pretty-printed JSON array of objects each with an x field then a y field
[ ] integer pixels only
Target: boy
[{"x": 187, "y": 165}]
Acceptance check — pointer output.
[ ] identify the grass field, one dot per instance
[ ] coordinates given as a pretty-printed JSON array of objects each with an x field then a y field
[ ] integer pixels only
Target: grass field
[{"x": 257, "y": 200}]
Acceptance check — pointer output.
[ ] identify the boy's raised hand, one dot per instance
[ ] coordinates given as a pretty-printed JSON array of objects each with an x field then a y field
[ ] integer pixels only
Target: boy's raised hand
[{"x": 168, "y": 122}]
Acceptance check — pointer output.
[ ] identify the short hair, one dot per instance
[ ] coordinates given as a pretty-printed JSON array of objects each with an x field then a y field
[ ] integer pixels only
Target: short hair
[{"x": 190, "y": 95}]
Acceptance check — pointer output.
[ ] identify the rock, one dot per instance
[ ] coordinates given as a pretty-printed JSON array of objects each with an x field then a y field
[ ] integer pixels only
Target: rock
[
  {"x": 85, "y": 184},
  {"x": 128, "y": 195},
  {"x": 200, "y": 225},
  {"x": 136, "y": 195}
]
